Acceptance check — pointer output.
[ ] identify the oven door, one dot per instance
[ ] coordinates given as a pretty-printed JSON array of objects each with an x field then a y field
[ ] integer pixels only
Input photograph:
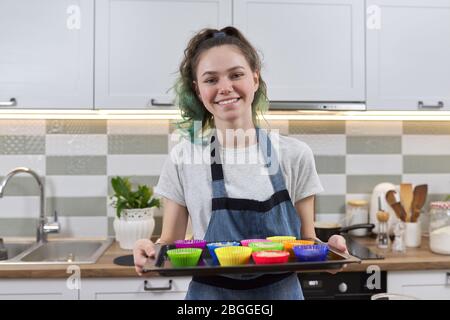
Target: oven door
[{"x": 342, "y": 286}]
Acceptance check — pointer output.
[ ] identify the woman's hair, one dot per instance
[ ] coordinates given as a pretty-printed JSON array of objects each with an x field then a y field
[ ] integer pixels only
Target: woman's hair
[{"x": 191, "y": 107}]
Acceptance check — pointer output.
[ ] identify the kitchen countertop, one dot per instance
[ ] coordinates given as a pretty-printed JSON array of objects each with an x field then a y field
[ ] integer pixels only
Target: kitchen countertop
[{"x": 414, "y": 259}]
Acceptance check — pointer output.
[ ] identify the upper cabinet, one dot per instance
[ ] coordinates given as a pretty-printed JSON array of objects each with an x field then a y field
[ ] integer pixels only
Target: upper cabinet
[
  {"x": 408, "y": 50},
  {"x": 311, "y": 51},
  {"x": 46, "y": 54},
  {"x": 140, "y": 44}
]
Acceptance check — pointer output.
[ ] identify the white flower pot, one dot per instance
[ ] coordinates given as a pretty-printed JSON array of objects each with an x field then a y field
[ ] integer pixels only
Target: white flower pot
[{"x": 134, "y": 224}]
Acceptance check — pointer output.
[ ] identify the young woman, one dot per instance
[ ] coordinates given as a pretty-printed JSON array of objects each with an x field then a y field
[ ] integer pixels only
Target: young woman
[{"x": 227, "y": 195}]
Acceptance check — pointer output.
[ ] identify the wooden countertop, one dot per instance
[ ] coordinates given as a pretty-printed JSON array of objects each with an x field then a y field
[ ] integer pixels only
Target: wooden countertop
[{"x": 414, "y": 259}]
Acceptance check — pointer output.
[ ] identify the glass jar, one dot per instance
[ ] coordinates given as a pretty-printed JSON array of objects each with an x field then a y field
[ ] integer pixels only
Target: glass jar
[
  {"x": 440, "y": 227},
  {"x": 357, "y": 212}
]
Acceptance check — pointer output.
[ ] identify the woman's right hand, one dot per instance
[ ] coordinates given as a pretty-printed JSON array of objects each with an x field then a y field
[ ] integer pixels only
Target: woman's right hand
[{"x": 143, "y": 249}]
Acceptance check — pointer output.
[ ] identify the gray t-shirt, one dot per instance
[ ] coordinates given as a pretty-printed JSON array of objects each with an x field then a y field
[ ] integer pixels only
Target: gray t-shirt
[{"x": 186, "y": 175}]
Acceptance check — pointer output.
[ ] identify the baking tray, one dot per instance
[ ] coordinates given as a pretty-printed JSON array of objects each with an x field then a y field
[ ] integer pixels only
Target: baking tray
[{"x": 205, "y": 267}]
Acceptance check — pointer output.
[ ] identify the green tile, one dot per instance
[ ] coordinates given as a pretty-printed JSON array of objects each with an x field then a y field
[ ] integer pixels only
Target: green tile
[
  {"x": 156, "y": 231},
  {"x": 18, "y": 227},
  {"x": 22, "y": 145},
  {"x": 330, "y": 204},
  {"x": 426, "y": 164},
  {"x": 426, "y": 127},
  {"x": 76, "y": 126},
  {"x": 374, "y": 145},
  {"x": 77, "y": 207},
  {"x": 76, "y": 165},
  {"x": 135, "y": 180},
  {"x": 22, "y": 186},
  {"x": 330, "y": 164},
  {"x": 366, "y": 183},
  {"x": 137, "y": 144},
  {"x": 316, "y": 127}
]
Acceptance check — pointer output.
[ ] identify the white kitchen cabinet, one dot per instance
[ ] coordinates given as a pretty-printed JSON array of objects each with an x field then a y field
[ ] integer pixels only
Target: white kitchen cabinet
[
  {"x": 46, "y": 54},
  {"x": 139, "y": 46},
  {"x": 37, "y": 289},
  {"x": 311, "y": 51},
  {"x": 428, "y": 285},
  {"x": 407, "y": 50},
  {"x": 154, "y": 288}
]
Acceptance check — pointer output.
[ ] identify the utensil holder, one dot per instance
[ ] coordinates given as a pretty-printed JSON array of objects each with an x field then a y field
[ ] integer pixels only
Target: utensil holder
[{"x": 413, "y": 234}]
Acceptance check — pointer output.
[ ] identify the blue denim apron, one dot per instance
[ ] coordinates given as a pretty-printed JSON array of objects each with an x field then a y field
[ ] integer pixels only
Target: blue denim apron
[{"x": 237, "y": 219}]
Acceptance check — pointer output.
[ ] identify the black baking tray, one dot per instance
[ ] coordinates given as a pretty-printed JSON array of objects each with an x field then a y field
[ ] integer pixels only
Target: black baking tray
[{"x": 205, "y": 267}]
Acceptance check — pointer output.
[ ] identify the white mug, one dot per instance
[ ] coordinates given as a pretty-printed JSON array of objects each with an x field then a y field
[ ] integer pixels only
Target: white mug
[{"x": 413, "y": 234}]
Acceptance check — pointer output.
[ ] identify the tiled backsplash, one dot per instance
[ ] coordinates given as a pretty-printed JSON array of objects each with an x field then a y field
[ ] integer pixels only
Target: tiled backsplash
[{"x": 77, "y": 159}]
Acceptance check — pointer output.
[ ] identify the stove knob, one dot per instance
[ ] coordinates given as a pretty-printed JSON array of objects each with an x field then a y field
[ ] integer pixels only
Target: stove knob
[{"x": 343, "y": 287}]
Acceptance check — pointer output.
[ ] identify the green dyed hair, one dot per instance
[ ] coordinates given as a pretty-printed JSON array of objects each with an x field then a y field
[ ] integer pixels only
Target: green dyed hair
[{"x": 192, "y": 109}]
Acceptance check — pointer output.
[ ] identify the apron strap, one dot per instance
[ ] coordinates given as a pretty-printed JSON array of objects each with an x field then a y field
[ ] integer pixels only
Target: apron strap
[{"x": 270, "y": 159}]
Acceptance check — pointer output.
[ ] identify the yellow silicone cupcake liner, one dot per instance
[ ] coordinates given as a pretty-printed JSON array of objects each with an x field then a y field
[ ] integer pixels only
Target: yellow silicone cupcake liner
[
  {"x": 288, "y": 245},
  {"x": 232, "y": 256},
  {"x": 281, "y": 238}
]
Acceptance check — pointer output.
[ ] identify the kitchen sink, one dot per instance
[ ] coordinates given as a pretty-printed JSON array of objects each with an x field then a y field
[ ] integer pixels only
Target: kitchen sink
[
  {"x": 58, "y": 252},
  {"x": 10, "y": 250}
]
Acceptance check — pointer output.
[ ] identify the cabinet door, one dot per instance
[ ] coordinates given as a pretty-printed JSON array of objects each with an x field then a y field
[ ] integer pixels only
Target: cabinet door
[
  {"x": 310, "y": 51},
  {"x": 427, "y": 285},
  {"x": 37, "y": 289},
  {"x": 139, "y": 46},
  {"x": 46, "y": 54},
  {"x": 155, "y": 288},
  {"x": 408, "y": 50}
]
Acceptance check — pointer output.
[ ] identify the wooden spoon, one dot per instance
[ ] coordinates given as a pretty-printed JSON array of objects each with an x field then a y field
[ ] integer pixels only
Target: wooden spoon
[
  {"x": 420, "y": 196},
  {"x": 399, "y": 211},
  {"x": 390, "y": 197},
  {"x": 406, "y": 197}
]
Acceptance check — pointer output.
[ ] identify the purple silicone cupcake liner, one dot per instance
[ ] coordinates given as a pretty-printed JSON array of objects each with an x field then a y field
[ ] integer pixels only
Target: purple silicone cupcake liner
[{"x": 190, "y": 244}]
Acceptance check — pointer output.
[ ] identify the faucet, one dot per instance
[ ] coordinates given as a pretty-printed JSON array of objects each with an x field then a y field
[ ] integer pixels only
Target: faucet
[{"x": 43, "y": 227}]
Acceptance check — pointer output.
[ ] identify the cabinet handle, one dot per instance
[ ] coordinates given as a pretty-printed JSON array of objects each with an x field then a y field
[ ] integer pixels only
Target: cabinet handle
[
  {"x": 155, "y": 103},
  {"x": 148, "y": 288},
  {"x": 447, "y": 279},
  {"x": 12, "y": 102},
  {"x": 440, "y": 105}
]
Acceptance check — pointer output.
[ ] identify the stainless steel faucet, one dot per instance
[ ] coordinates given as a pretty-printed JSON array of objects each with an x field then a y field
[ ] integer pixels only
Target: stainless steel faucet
[{"x": 43, "y": 227}]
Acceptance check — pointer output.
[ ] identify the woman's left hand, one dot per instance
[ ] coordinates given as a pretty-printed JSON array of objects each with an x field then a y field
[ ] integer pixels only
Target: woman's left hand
[{"x": 338, "y": 242}]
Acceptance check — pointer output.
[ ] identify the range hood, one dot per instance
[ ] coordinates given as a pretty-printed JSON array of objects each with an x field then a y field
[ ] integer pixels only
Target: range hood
[{"x": 319, "y": 105}]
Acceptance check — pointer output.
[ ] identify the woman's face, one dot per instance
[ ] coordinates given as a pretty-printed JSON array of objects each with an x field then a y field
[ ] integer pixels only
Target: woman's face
[{"x": 226, "y": 85}]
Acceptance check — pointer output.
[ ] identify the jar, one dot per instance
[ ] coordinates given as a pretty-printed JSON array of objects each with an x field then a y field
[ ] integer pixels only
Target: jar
[
  {"x": 440, "y": 227},
  {"x": 357, "y": 212}
]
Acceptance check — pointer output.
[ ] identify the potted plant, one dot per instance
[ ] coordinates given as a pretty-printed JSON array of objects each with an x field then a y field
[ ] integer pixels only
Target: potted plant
[{"x": 134, "y": 211}]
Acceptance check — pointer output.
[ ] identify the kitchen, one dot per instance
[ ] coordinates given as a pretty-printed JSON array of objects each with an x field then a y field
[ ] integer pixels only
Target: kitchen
[{"x": 84, "y": 97}]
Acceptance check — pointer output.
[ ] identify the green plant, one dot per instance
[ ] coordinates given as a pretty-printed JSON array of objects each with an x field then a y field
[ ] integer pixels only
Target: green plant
[
  {"x": 126, "y": 198},
  {"x": 448, "y": 198}
]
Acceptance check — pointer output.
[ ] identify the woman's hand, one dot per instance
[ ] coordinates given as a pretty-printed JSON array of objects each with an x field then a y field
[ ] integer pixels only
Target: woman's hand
[
  {"x": 142, "y": 250},
  {"x": 338, "y": 242}
]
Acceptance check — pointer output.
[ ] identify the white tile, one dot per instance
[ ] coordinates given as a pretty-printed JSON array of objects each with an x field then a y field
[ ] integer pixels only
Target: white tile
[
  {"x": 426, "y": 144},
  {"x": 20, "y": 207},
  {"x": 324, "y": 144},
  {"x": 76, "y": 144},
  {"x": 437, "y": 183},
  {"x": 333, "y": 183},
  {"x": 157, "y": 127},
  {"x": 22, "y": 127},
  {"x": 374, "y": 164},
  {"x": 83, "y": 227},
  {"x": 374, "y": 128},
  {"x": 76, "y": 186},
  {"x": 133, "y": 165},
  {"x": 34, "y": 162}
]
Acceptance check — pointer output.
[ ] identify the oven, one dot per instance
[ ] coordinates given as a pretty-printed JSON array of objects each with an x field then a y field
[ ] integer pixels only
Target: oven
[{"x": 341, "y": 286}]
